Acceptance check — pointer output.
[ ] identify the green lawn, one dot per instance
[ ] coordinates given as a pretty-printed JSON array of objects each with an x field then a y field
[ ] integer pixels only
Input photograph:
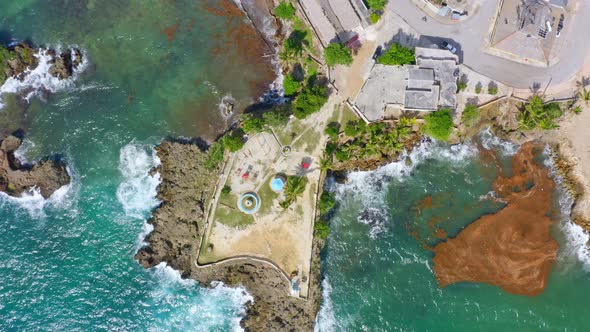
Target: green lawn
[{"x": 267, "y": 196}]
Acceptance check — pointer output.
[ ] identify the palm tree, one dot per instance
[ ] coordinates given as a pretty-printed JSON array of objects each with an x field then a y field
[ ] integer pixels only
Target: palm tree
[{"x": 325, "y": 164}]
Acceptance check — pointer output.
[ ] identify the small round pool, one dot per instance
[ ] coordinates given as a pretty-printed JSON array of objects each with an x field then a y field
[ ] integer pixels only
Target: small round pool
[
  {"x": 277, "y": 184},
  {"x": 249, "y": 203}
]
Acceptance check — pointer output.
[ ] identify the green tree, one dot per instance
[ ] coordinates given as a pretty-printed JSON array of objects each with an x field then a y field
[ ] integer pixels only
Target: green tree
[
  {"x": 321, "y": 229},
  {"x": 439, "y": 124},
  {"x": 478, "y": 88},
  {"x": 332, "y": 130},
  {"x": 376, "y": 4},
  {"x": 234, "y": 141},
  {"x": 470, "y": 114},
  {"x": 277, "y": 118},
  {"x": 215, "y": 155},
  {"x": 536, "y": 114},
  {"x": 492, "y": 88},
  {"x": 309, "y": 101},
  {"x": 226, "y": 190},
  {"x": 295, "y": 187},
  {"x": 285, "y": 10},
  {"x": 337, "y": 54},
  {"x": 374, "y": 17},
  {"x": 397, "y": 55},
  {"x": 294, "y": 45},
  {"x": 327, "y": 202},
  {"x": 290, "y": 85},
  {"x": 252, "y": 124}
]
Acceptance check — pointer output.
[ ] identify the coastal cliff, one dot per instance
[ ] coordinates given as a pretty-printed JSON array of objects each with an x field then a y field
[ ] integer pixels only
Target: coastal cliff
[
  {"x": 178, "y": 223},
  {"x": 47, "y": 175}
]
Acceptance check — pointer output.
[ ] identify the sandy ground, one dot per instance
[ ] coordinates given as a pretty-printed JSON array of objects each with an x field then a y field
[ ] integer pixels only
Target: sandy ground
[
  {"x": 573, "y": 137},
  {"x": 283, "y": 236}
]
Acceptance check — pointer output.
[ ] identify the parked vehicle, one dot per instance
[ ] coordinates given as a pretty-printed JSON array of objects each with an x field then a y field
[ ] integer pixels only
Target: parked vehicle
[{"x": 449, "y": 47}]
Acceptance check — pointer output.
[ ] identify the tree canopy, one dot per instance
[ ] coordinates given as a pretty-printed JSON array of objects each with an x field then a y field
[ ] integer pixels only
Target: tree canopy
[
  {"x": 536, "y": 114},
  {"x": 439, "y": 124},
  {"x": 309, "y": 101},
  {"x": 397, "y": 55},
  {"x": 285, "y": 10},
  {"x": 337, "y": 54}
]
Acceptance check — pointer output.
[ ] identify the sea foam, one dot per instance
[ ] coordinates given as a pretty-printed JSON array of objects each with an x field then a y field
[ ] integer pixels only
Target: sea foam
[
  {"x": 137, "y": 192},
  {"x": 205, "y": 312},
  {"x": 369, "y": 186},
  {"x": 37, "y": 81}
]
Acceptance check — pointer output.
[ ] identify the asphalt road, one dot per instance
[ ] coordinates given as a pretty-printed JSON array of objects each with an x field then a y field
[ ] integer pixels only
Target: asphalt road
[{"x": 470, "y": 37}]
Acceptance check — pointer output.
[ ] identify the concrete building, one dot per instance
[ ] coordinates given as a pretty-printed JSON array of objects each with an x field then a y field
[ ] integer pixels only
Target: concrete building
[
  {"x": 333, "y": 20},
  {"x": 428, "y": 85},
  {"x": 529, "y": 30}
]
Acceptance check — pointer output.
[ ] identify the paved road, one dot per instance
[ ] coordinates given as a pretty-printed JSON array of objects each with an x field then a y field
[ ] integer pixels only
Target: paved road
[{"x": 470, "y": 36}]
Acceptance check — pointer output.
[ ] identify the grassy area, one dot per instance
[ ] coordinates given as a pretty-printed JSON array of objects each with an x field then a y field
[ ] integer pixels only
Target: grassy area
[
  {"x": 267, "y": 196},
  {"x": 232, "y": 216},
  {"x": 307, "y": 141},
  {"x": 299, "y": 25},
  {"x": 348, "y": 115},
  {"x": 285, "y": 135}
]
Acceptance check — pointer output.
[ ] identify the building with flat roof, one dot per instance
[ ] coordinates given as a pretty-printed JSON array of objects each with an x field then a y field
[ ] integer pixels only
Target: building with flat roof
[
  {"x": 528, "y": 31},
  {"x": 428, "y": 85}
]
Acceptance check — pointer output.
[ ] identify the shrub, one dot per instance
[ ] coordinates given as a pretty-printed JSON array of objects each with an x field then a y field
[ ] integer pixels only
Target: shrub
[
  {"x": 470, "y": 114},
  {"x": 327, "y": 202},
  {"x": 439, "y": 124},
  {"x": 332, "y": 130},
  {"x": 374, "y": 17},
  {"x": 461, "y": 86},
  {"x": 215, "y": 156},
  {"x": 290, "y": 85},
  {"x": 309, "y": 101},
  {"x": 252, "y": 124},
  {"x": 226, "y": 190},
  {"x": 354, "y": 128},
  {"x": 397, "y": 55},
  {"x": 537, "y": 115},
  {"x": 321, "y": 229},
  {"x": 492, "y": 88},
  {"x": 376, "y": 4},
  {"x": 337, "y": 54},
  {"x": 577, "y": 110},
  {"x": 330, "y": 148},
  {"x": 478, "y": 88},
  {"x": 285, "y": 10},
  {"x": 341, "y": 155},
  {"x": 278, "y": 117},
  {"x": 233, "y": 142}
]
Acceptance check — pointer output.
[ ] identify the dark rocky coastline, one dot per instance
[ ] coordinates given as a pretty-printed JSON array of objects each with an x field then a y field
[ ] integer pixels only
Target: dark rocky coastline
[
  {"x": 48, "y": 175},
  {"x": 185, "y": 189},
  {"x": 16, "y": 60}
]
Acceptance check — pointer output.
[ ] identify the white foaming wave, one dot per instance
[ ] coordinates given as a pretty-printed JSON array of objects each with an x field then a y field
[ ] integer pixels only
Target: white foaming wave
[
  {"x": 35, "y": 204},
  {"x": 203, "y": 312},
  {"x": 39, "y": 79},
  {"x": 577, "y": 239},
  {"x": 326, "y": 318},
  {"x": 137, "y": 193},
  {"x": 369, "y": 186},
  {"x": 23, "y": 150},
  {"x": 223, "y": 105},
  {"x": 490, "y": 141}
]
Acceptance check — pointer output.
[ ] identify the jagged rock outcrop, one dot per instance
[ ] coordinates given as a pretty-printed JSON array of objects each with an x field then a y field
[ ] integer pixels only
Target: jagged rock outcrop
[
  {"x": 16, "y": 60},
  {"x": 185, "y": 188},
  {"x": 48, "y": 175}
]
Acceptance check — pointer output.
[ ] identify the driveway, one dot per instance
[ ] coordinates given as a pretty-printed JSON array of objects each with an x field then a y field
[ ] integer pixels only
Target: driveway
[{"x": 471, "y": 37}]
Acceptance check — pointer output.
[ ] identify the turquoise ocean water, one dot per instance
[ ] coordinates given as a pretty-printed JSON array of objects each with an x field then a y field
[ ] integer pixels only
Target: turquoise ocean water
[
  {"x": 379, "y": 278},
  {"x": 154, "y": 69},
  {"x": 160, "y": 68}
]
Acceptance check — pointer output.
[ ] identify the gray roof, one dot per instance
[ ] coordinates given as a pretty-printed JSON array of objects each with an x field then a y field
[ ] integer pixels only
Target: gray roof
[{"x": 425, "y": 100}]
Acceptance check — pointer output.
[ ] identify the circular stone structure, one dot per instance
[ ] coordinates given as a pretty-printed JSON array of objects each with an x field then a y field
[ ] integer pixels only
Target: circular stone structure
[
  {"x": 277, "y": 184},
  {"x": 249, "y": 203}
]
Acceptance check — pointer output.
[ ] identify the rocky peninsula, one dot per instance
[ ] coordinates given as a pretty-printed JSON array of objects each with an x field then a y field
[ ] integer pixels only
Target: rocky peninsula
[
  {"x": 179, "y": 223},
  {"x": 47, "y": 175}
]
